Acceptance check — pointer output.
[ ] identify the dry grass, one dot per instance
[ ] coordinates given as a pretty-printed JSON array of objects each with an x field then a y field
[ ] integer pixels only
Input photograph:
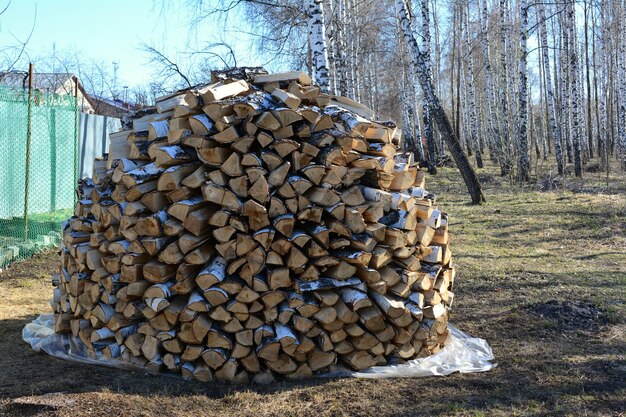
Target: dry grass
[{"x": 522, "y": 248}]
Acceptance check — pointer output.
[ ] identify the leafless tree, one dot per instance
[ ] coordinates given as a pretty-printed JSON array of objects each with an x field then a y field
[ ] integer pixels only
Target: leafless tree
[{"x": 13, "y": 53}]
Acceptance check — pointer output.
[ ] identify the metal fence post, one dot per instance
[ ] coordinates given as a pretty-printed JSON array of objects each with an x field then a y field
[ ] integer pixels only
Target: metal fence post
[
  {"x": 28, "y": 137},
  {"x": 75, "y": 136}
]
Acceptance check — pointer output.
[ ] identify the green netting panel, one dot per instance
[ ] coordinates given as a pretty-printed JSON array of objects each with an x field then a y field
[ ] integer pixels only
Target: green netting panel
[{"x": 52, "y": 170}]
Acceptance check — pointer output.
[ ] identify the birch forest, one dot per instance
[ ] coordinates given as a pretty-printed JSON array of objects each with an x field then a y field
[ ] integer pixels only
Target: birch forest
[{"x": 538, "y": 88}]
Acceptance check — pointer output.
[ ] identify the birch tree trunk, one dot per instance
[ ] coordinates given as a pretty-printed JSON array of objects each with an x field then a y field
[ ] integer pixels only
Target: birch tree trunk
[
  {"x": 574, "y": 82},
  {"x": 408, "y": 141},
  {"x": 342, "y": 65},
  {"x": 588, "y": 79},
  {"x": 317, "y": 43},
  {"x": 427, "y": 120},
  {"x": 543, "y": 107},
  {"x": 564, "y": 87},
  {"x": 584, "y": 144},
  {"x": 523, "y": 163},
  {"x": 610, "y": 82},
  {"x": 458, "y": 7},
  {"x": 437, "y": 65},
  {"x": 493, "y": 125},
  {"x": 504, "y": 114},
  {"x": 421, "y": 74},
  {"x": 556, "y": 133},
  {"x": 558, "y": 81},
  {"x": 469, "y": 85},
  {"x": 355, "y": 90},
  {"x": 546, "y": 134},
  {"x": 453, "y": 52},
  {"x": 622, "y": 85},
  {"x": 411, "y": 131},
  {"x": 332, "y": 48},
  {"x": 602, "y": 103}
]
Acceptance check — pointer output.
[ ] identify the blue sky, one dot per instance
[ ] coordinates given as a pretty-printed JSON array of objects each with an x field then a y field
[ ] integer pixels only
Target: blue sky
[{"x": 112, "y": 30}]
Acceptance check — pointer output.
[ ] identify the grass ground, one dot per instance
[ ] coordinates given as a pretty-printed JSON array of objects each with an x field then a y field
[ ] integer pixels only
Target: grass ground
[
  {"x": 44, "y": 230},
  {"x": 542, "y": 278}
]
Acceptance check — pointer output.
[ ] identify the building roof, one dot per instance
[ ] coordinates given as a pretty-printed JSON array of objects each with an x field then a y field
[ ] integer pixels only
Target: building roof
[
  {"x": 117, "y": 103},
  {"x": 50, "y": 82},
  {"x": 112, "y": 107},
  {"x": 59, "y": 83}
]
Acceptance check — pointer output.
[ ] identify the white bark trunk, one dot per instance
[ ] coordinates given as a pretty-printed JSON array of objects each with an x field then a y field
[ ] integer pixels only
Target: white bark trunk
[
  {"x": 317, "y": 43},
  {"x": 342, "y": 65},
  {"x": 411, "y": 132},
  {"x": 574, "y": 83},
  {"x": 523, "y": 166},
  {"x": 421, "y": 74},
  {"x": 504, "y": 113},
  {"x": 331, "y": 46},
  {"x": 354, "y": 49},
  {"x": 622, "y": 87},
  {"x": 556, "y": 132},
  {"x": 602, "y": 99},
  {"x": 492, "y": 116},
  {"x": 469, "y": 86},
  {"x": 427, "y": 120},
  {"x": 565, "y": 95}
]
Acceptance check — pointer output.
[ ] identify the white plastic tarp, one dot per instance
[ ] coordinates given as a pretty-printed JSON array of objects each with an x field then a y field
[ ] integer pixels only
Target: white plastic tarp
[{"x": 462, "y": 353}]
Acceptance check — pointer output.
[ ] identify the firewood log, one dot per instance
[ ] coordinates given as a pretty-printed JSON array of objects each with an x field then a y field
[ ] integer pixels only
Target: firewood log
[{"x": 256, "y": 227}]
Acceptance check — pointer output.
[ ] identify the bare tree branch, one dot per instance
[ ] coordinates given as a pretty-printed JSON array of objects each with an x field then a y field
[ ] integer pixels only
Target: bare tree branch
[
  {"x": 22, "y": 46},
  {"x": 5, "y": 8},
  {"x": 159, "y": 58}
]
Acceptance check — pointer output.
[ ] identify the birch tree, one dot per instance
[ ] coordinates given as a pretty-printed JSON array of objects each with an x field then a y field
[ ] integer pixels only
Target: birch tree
[
  {"x": 317, "y": 43},
  {"x": 564, "y": 83},
  {"x": 588, "y": 79},
  {"x": 523, "y": 163},
  {"x": 622, "y": 84},
  {"x": 427, "y": 121},
  {"x": 504, "y": 87},
  {"x": 543, "y": 40},
  {"x": 469, "y": 86},
  {"x": 575, "y": 100},
  {"x": 411, "y": 131},
  {"x": 574, "y": 86},
  {"x": 342, "y": 65},
  {"x": 493, "y": 125},
  {"x": 354, "y": 84},
  {"x": 420, "y": 72}
]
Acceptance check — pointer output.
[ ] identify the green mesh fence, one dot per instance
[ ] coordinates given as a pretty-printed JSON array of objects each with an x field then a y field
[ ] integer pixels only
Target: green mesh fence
[{"x": 36, "y": 181}]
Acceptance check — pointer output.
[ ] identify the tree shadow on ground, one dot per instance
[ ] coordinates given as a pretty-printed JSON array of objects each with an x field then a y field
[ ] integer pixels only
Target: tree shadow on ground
[
  {"x": 26, "y": 372},
  {"x": 523, "y": 378}
]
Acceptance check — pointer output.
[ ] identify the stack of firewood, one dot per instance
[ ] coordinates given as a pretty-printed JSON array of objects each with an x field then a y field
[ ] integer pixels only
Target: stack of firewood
[{"x": 254, "y": 227}]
